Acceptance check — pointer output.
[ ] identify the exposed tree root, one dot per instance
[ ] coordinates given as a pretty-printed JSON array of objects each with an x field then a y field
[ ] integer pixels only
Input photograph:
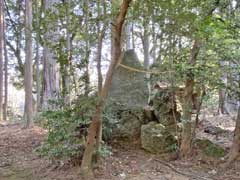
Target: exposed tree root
[{"x": 179, "y": 172}]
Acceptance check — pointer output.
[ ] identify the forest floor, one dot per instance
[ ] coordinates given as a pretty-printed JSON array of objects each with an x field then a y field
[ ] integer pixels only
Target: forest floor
[{"x": 127, "y": 162}]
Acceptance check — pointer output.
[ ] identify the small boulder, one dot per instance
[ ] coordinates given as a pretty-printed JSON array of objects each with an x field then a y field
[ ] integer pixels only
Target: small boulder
[
  {"x": 129, "y": 124},
  {"x": 157, "y": 138},
  {"x": 209, "y": 148}
]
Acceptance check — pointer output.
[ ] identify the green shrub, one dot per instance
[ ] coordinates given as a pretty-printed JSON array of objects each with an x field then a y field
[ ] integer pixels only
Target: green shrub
[{"x": 67, "y": 129}]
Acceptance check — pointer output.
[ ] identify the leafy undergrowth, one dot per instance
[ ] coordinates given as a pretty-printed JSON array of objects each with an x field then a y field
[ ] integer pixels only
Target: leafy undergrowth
[{"x": 19, "y": 162}]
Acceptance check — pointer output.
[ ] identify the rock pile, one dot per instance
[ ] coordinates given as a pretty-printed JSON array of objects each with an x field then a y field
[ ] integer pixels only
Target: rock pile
[
  {"x": 160, "y": 135},
  {"x": 156, "y": 125}
]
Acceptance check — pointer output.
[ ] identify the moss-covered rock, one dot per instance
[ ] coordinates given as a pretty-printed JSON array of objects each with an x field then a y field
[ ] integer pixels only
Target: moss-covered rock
[
  {"x": 164, "y": 106},
  {"x": 157, "y": 138},
  {"x": 130, "y": 123},
  {"x": 127, "y": 123},
  {"x": 209, "y": 148}
]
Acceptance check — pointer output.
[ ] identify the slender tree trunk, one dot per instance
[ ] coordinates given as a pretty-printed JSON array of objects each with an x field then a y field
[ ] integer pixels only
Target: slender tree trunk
[
  {"x": 186, "y": 143},
  {"x": 154, "y": 49},
  {"x": 222, "y": 91},
  {"x": 146, "y": 50},
  {"x": 38, "y": 81},
  {"x": 101, "y": 34},
  {"x": 92, "y": 133},
  {"x": 145, "y": 43},
  {"x": 199, "y": 105},
  {"x": 5, "y": 78},
  {"x": 235, "y": 149},
  {"x": 221, "y": 102},
  {"x": 99, "y": 60},
  {"x": 28, "y": 65},
  {"x": 87, "y": 49},
  {"x": 38, "y": 77},
  {"x": 69, "y": 58},
  {"x": 19, "y": 38},
  {"x": 1, "y": 56}
]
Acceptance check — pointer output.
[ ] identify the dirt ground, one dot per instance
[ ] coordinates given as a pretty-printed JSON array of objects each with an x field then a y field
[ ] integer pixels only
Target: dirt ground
[{"x": 19, "y": 162}]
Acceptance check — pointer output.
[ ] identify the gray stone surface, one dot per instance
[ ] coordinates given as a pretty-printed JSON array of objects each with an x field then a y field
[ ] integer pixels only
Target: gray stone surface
[
  {"x": 129, "y": 123},
  {"x": 157, "y": 138},
  {"x": 128, "y": 87}
]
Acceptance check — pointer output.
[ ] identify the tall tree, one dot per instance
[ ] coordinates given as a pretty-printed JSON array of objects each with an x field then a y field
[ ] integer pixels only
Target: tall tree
[
  {"x": 86, "y": 170},
  {"x": 38, "y": 82},
  {"x": 187, "y": 107},
  {"x": 146, "y": 53},
  {"x": 16, "y": 23},
  {"x": 50, "y": 67},
  {"x": 187, "y": 133},
  {"x": 87, "y": 48},
  {"x": 28, "y": 76},
  {"x": 69, "y": 57},
  {"x": 101, "y": 35},
  {"x": 1, "y": 55},
  {"x": 235, "y": 148},
  {"x": 5, "y": 75}
]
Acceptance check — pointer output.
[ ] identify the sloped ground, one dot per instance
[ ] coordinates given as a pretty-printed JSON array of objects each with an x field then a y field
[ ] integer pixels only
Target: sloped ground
[
  {"x": 224, "y": 134},
  {"x": 19, "y": 162}
]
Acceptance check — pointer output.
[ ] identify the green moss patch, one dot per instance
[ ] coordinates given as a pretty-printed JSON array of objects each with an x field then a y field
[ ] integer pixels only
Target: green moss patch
[{"x": 209, "y": 148}]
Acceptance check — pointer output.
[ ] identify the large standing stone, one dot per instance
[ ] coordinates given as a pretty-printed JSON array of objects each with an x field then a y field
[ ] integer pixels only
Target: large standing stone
[
  {"x": 128, "y": 94},
  {"x": 129, "y": 87}
]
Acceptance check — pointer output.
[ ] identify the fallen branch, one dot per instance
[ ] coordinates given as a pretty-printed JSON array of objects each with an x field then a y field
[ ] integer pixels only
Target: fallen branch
[{"x": 4, "y": 165}]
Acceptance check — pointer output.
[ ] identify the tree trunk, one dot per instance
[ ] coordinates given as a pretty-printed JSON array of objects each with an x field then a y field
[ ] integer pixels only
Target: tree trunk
[
  {"x": 51, "y": 87},
  {"x": 221, "y": 102},
  {"x": 187, "y": 134},
  {"x": 235, "y": 149},
  {"x": 87, "y": 50},
  {"x": 28, "y": 65},
  {"x": 146, "y": 45},
  {"x": 19, "y": 38},
  {"x": 38, "y": 77},
  {"x": 67, "y": 72},
  {"x": 116, "y": 52},
  {"x": 101, "y": 34},
  {"x": 186, "y": 143},
  {"x": 222, "y": 90},
  {"x": 38, "y": 82},
  {"x": 154, "y": 40},
  {"x": 99, "y": 57},
  {"x": 5, "y": 78},
  {"x": 199, "y": 105},
  {"x": 1, "y": 56}
]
